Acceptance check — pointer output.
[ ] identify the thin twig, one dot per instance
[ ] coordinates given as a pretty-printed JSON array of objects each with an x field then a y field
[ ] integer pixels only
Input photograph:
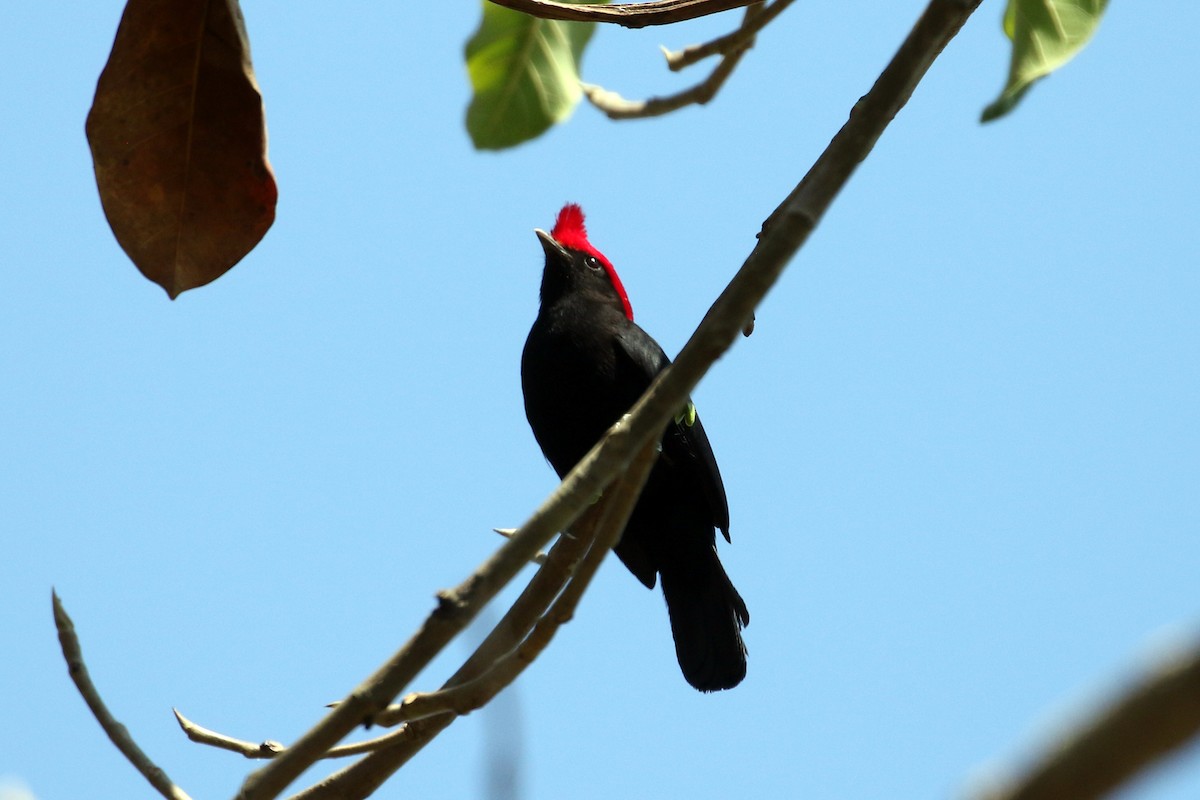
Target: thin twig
[
  {"x": 1150, "y": 720},
  {"x": 740, "y": 39},
  {"x": 202, "y": 735},
  {"x": 616, "y": 107},
  {"x": 269, "y": 748},
  {"x": 117, "y": 733},
  {"x": 784, "y": 232},
  {"x": 628, "y": 15}
]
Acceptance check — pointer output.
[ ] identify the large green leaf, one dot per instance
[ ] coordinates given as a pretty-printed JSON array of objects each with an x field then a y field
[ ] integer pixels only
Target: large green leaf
[
  {"x": 1045, "y": 34},
  {"x": 525, "y": 73}
]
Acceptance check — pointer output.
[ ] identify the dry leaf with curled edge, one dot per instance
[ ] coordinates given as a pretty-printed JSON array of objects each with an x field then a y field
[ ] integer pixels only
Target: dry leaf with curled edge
[{"x": 179, "y": 142}]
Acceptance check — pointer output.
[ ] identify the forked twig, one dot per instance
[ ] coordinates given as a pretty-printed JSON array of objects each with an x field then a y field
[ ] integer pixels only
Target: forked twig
[
  {"x": 741, "y": 38},
  {"x": 730, "y": 47}
]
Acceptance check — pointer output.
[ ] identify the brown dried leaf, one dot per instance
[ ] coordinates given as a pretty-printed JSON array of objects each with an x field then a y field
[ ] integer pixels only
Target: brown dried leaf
[{"x": 179, "y": 141}]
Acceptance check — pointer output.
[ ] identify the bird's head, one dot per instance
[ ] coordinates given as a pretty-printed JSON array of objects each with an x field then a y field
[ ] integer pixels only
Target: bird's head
[{"x": 574, "y": 265}]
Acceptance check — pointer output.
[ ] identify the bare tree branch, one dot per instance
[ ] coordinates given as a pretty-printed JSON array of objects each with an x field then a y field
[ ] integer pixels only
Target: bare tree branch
[
  {"x": 462, "y": 698},
  {"x": 1151, "y": 719},
  {"x": 535, "y": 599},
  {"x": 786, "y": 230},
  {"x": 456, "y": 608},
  {"x": 628, "y": 15},
  {"x": 616, "y": 107},
  {"x": 482, "y": 675},
  {"x": 117, "y": 733}
]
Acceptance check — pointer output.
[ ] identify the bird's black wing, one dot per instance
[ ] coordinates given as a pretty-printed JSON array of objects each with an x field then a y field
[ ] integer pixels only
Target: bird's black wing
[{"x": 684, "y": 442}]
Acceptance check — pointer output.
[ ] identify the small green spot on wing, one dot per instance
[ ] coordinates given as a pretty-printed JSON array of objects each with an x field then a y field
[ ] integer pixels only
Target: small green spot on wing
[{"x": 686, "y": 415}]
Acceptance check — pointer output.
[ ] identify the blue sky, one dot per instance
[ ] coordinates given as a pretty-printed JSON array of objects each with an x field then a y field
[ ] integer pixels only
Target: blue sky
[{"x": 961, "y": 448}]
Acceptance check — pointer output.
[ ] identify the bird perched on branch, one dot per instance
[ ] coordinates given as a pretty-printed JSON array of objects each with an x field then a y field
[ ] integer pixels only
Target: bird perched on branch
[{"x": 585, "y": 363}]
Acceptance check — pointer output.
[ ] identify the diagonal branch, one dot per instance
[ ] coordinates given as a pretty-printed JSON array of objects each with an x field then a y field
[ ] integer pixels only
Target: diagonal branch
[
  {"x": 465, "y": 695},
  {"x": 628, "y": 15},
  {"x": 505, "y": 636},
  {"x": 73, "y": 655},
  {"x": 783, "y": 234},
  {"x": 455, "y": 610},
  {"x": 470, "y": 688}
]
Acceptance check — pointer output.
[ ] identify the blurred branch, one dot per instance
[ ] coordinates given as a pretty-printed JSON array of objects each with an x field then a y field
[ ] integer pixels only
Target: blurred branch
[
  {"x": 117, "y": 733},
  {"x": 1153, "y": 718},
  {"x": 628, "y": 15},
  {"x": 731, "y": 47}
]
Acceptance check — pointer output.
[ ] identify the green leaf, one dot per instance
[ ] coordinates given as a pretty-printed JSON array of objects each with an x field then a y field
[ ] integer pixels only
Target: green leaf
[
  {"x": 1045, "y": 34},
  {"x": 525, "y": 73}
]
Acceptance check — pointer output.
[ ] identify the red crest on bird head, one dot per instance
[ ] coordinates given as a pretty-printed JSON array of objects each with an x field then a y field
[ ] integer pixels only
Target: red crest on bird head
[{"x": 570, "y": 232}]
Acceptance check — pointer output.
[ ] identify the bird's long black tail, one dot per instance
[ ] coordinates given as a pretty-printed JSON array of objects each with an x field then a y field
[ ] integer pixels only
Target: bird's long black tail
[{"x": 707, "y": 617}]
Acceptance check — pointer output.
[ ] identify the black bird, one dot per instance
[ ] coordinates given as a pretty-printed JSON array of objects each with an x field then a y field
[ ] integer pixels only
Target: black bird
[{"x": 584, "y": 365}]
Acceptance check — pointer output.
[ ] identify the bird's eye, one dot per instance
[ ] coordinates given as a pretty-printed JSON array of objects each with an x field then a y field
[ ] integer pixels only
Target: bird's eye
[{"x": 592, "y": 263}]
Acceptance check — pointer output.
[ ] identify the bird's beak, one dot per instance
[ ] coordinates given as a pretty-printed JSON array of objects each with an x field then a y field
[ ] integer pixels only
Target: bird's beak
[{"x": 553, "y": 249}]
